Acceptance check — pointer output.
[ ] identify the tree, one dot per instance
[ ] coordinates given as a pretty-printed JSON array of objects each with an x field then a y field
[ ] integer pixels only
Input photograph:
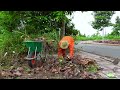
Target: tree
[
  {"x": 36, "y": 21},
  {"x": 116, "y": 27},
  {"x": 102, "y": 19},
  {"x": 29, "y": 23},
  {"x": 70, "y": 28},
  {"x": 62, "y": 18}
]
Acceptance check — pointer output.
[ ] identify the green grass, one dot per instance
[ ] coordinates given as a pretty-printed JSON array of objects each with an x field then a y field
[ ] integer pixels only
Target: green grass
[
  {"x": 87, "y": 38},
  {"x": 109, "y": 37},
  {"x": 12, "y": 41},
  {"x": 92, "y": 68}
]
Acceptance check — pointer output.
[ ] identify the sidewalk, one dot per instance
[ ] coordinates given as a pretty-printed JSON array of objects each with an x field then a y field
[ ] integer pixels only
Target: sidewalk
[{"x": 105, "y": 64}]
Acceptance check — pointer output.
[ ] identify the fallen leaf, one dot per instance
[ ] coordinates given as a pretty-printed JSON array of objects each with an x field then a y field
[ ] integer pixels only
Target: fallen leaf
[
  {"x": 54, "y": 70},
  {"x": 20, "y": 69},
  {"x": 111, "y": 75},
  {"x": 17, "y": 73}
]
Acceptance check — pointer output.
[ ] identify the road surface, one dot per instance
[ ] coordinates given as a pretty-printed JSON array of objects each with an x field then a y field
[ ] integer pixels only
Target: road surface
[{"x": 103, "y": 50}]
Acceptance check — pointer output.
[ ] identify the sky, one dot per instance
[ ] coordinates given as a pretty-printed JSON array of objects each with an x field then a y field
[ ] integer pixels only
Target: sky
[{"x": 82, "y": 22}]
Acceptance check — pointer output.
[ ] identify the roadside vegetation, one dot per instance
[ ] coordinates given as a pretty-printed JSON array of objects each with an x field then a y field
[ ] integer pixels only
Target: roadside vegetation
[
  {"x": 95, "y": 37},
  {"x": 19, "y": 26}
]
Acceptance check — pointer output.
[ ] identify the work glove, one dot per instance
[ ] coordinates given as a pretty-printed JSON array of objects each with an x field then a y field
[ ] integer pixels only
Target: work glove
[{"x": 69, "y": 58}]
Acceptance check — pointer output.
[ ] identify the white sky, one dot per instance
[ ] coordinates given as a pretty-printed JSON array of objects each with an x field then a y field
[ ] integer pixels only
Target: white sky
[{"x": 82, "y": 22}]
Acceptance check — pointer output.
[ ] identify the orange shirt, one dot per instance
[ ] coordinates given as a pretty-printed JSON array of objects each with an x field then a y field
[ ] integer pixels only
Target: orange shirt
[{"x": 71, "y": 45}]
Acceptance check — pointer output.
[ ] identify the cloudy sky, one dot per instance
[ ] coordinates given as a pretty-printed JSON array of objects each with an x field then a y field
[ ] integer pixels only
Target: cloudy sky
[{"x": 82, "y": 22}]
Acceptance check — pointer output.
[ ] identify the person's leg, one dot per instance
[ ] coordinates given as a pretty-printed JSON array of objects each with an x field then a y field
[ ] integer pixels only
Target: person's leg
[
  {"x": 71, "y": 50},
  {"x": 63, "y": 53}
]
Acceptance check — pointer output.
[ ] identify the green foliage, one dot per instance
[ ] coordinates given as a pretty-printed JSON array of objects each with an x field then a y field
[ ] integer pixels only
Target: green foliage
[
  {"x": 80, "y": 38},
  {"x": 112, "y": 37},
  {"x": 20, "y": 24},
  {"x": 9, "y": 21},
  {"x": 34, "y": 21},
  {"x": 70, "y": 30},
  {"x": 11, "y": 42},
  {"x": 102, "y": 19},
  {"x": 92, "y": 68},
  {"x": 93, "y": 37},
  {"x": 116, "y": 27},
  {"x": 16, "y": 26}
]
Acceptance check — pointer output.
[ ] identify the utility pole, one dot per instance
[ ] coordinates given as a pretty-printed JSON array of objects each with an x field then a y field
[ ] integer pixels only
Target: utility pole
[
  {"x": 103, "y": 36},
  {"x": 102, "y": 29}
]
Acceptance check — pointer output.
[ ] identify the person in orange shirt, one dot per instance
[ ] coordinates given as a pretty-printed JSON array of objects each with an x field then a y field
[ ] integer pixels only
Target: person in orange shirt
[{"x": 66, "y": 42}]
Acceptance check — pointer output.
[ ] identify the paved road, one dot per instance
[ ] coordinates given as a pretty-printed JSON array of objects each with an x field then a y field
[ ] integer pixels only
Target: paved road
[{"x": 103, "y": 50}]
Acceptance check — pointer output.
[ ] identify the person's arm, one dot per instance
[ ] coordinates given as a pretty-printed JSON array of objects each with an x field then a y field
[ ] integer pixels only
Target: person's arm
[
  {"x": 59, "y": 51},
  {"x": 71, "y": 48}
]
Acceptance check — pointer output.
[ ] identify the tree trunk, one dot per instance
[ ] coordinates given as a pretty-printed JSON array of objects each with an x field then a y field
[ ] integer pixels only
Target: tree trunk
[{"x": 63, "y": 29}]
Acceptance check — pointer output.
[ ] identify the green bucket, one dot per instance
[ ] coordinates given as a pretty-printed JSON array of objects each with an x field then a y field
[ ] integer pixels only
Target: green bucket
[{"x": 33, "y": 44}]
